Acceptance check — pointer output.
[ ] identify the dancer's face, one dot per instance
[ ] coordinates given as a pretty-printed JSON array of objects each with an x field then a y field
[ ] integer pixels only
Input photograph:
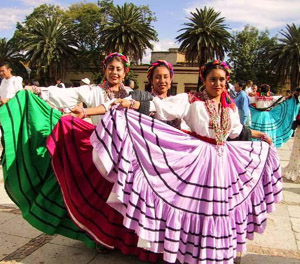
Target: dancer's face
[
  {"x": 115, "y": 72},
  {"x": 215, "y": 82},
  {"x": 161, "y": 80}
]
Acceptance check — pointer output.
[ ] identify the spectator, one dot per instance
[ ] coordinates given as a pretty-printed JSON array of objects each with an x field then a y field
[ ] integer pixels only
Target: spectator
[
  {"x": 130, "y": 83},
  {"x": 288, "y": 93},
  {"x": 231, "y": 90},
  {"x": 254, "y": 91},
  {"x": 10, "y": 84},
  {"x": 242, "y": 103},
  {"x": 86, "y": 81},
  {"x": 60, "y": 84},
  {"x": 248, "y": 88}
]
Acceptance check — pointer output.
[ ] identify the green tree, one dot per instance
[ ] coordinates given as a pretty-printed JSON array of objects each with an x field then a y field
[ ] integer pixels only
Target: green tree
[
  {"x": 40, "y": 12},
  {"x": 285, "y": 58},
  {"x": 205, "y": 37},
  {"x": 129, "y": 31},
  {"x": 249, "y": 56},
  {"x": 50, "y": 46},
  {"x": 9, "y": 52},
  {"x": 89, "y": 20}
]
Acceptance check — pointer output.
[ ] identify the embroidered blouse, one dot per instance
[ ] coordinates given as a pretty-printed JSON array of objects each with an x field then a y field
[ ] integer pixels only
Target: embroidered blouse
[{"x": 196, "y": 114}]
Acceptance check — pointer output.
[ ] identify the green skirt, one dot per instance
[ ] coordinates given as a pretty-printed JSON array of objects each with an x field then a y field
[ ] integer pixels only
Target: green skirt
[{"x": 28, "y": 176}]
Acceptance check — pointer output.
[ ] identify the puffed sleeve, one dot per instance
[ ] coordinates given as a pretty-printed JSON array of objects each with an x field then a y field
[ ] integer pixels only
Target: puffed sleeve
[
  {"x": 171, "y": 107},
  {"x": 67, "y": 98},
  {"x": 236, "y": 126}
]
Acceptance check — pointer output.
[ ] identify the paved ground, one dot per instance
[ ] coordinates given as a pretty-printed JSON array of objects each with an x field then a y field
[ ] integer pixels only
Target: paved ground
[{"x": 20, "y": 243}]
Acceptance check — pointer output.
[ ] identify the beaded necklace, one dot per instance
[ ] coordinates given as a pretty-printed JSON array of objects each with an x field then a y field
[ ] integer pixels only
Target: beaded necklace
[
  {"x": 110, "y": 94},
  {"x": 220, "y": 120}
]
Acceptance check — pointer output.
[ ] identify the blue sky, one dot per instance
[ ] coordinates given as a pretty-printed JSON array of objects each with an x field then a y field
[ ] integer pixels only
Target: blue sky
[{"x": 171, "y": 15}]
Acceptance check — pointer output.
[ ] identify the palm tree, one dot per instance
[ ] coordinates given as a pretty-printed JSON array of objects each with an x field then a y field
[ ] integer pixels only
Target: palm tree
[
  {"x": 205, "y": 37},
  {"x": 9, "y": 52},
  {"x": 285, "y": 57},
  {"x": 128, "y": 31},
  {"x": 50, "y": 46}
]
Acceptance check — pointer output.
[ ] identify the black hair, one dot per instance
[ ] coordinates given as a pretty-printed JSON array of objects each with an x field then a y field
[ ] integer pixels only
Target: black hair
[
  {"x": 6, "y": 64},
  {"x": 242, "y": 84},
  {"x": 211, "y": 67},
  {"x": 112, "y": 58},
  {"x": 264, "y": 88}
]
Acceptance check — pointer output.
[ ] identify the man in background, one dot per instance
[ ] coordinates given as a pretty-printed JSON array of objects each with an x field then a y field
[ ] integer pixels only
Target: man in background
[
  {"x": 242, "y": 103},
  {"x": 60, "y": 84},
  {"x": 10, "y": 84}
]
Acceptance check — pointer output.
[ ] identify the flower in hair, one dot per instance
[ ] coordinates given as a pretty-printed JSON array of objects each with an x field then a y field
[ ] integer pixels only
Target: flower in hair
[
  {"x": 120, "y": 55},
  {"x": 159, "y": 63},
  {"x": 215, "y": 62}
]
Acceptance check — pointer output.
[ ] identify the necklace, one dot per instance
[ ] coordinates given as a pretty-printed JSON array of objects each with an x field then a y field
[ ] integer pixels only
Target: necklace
[
  {"x": 111, "y": 94},
  {"x": 220, "y": 119}
]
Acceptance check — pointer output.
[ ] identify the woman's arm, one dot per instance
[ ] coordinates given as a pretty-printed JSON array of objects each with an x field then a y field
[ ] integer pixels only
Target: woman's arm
[
  {"x": 81, "y": 112},
  {"x": 262, "y": 136}
]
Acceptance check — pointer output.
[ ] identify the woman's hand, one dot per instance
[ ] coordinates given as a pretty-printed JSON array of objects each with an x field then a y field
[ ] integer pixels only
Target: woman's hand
[
  {"x": 34, "y": 89},
  {"x": 123, "y": 103},
  {"x": 4, "y": 101},
  {"x": 78, "y": 112},
  {"x": 29, "y": 88},
  {"x": 265, "y": 137}
]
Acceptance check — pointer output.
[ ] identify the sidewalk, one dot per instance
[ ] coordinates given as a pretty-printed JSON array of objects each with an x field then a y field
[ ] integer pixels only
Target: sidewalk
[{"x": 21, "y": 243}]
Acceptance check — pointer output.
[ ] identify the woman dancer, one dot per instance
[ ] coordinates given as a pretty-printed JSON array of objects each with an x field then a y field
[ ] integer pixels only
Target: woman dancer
[
  {"x": 273, "y": 116},
  {"x": 115, "y": 67},
  {"x": 29, "y": 180},
  {"x": 195, "y": 198}
]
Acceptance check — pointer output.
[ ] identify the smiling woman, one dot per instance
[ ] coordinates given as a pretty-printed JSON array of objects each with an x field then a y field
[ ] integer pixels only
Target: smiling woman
[
  {"x": 34, "y": 187},
  {"x": 194, "y": 197}
]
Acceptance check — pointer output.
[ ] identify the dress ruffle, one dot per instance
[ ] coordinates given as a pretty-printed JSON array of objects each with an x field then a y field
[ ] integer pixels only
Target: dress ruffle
[
  {"x": 85, "y": 191},
  {"x": 178, "y": 194},
  {"x": 277, "y": 122}
]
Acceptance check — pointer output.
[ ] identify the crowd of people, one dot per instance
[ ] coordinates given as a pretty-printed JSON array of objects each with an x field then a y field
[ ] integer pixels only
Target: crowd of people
[{"x": 183, "y": 178}]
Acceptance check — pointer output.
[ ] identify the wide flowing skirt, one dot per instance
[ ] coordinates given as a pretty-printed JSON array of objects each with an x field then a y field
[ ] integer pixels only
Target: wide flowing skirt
[
  {"x": 187, "y": 199},
  {"x": 277, "y": 122},
  {"x": 85, "y": 191},
  {"x": 28, "y": 176}
]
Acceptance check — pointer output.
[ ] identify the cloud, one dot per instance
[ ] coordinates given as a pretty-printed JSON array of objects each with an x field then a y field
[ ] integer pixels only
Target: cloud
[
  {"x": 263, "y": 14},
  {"x": 162, "y": 45},
  {"x": 10, "y": 16}
]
